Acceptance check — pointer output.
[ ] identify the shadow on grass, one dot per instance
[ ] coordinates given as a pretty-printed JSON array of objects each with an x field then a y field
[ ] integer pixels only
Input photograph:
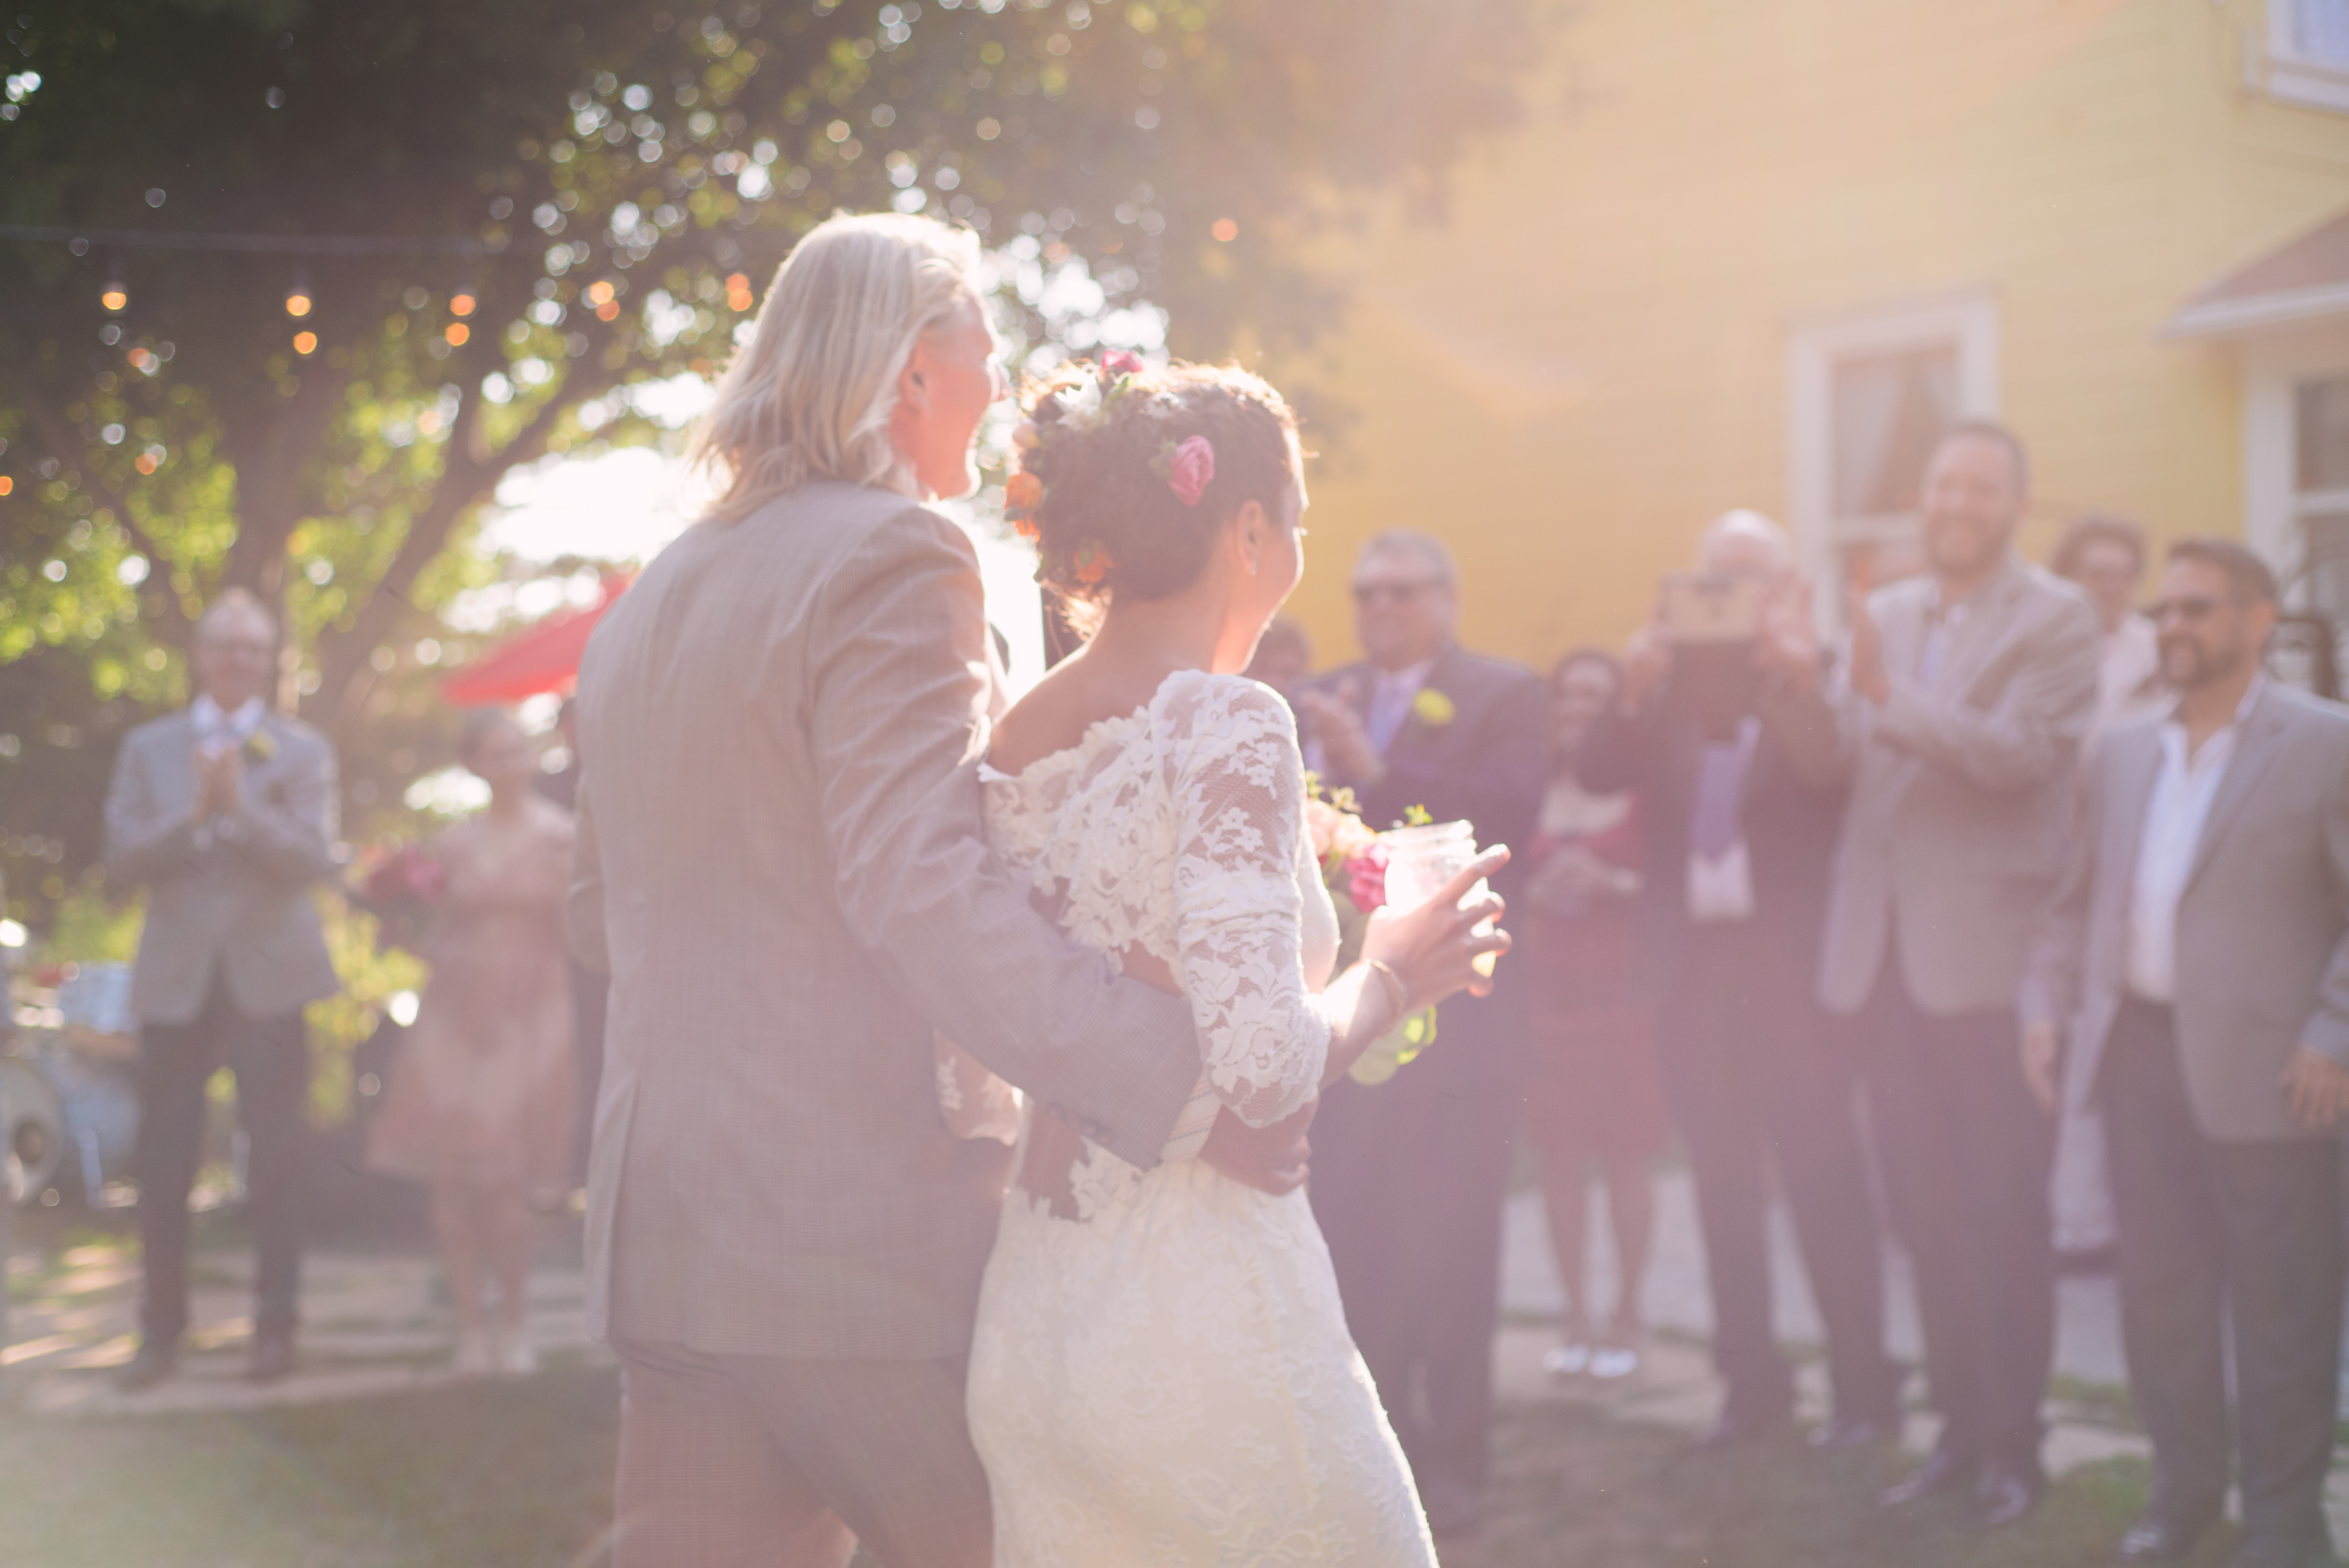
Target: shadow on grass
[
  {"x": 1576, "y": 1487},
  {"x": 518, "y": 1475}
]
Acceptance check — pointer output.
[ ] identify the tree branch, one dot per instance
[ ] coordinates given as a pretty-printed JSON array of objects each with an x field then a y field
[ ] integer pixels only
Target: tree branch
[
  {"x": 344, "y": 674},
  {"x": 58, "y": 437}
]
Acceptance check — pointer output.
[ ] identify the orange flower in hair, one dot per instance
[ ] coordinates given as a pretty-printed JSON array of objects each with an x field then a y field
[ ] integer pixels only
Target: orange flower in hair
[
  {"x": 1092, "y": 564},
  {"x": 1023, "y": 492}
]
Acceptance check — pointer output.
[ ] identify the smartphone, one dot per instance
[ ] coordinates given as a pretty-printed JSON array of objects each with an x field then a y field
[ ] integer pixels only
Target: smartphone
[{"x": 1701, "y": 608}]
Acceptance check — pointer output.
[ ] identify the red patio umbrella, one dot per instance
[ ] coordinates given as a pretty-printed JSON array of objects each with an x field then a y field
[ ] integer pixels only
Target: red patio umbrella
[{"x": 543, "y": 657}]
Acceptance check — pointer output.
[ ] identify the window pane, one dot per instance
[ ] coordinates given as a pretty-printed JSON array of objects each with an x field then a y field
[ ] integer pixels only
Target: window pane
[
  {"x": 2322, "y": 438},
  {"x": 2320, "y": 30},
  {"x": 2328, "y": 564},
  {"x": 1888, "y": 410}
]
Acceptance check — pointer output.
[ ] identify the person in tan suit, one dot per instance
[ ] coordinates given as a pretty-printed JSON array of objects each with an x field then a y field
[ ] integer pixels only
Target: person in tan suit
[
  {"x": 781, "y": 866},
  {"x": 1957, "y": 723},
  {"x": 224, "y": 815},
  {"x": 2198, "y": 955}
]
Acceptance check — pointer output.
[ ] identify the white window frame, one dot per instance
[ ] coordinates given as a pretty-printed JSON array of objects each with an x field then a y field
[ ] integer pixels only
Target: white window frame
[
  {"x": 2275, "y": 507},
  {"x": 1965, "y": 320},
  {"x": 2284, "y": 71}
]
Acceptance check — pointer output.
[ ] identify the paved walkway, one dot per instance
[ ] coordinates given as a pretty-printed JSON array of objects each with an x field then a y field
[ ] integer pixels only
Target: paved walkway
[{"x": 372, "y": 1323}]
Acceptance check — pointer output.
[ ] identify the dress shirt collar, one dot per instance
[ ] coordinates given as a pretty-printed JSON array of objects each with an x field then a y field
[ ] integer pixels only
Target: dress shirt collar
[{"x": 220, "y": 730}]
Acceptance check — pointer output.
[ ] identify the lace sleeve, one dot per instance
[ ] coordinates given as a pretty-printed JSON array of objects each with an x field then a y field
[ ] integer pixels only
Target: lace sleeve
[{"x": 1239, "y": 810}]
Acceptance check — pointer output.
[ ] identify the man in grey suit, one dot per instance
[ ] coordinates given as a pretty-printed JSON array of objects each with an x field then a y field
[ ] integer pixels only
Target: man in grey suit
[
  {"x": 2198, "y": 954},
  {"x": 226, "y": 814},
  {"x": 781, "y": 865},
  {"x": 1957, "y": 723}
]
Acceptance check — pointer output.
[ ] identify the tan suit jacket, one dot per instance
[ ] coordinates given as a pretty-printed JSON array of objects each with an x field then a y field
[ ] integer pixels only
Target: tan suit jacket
[
  {"x": 2262, "y": 944},
  {"x": 228, "y": 898},
  {"x": 780, "y": 863},
  {"x": 1961, "y": 790}
]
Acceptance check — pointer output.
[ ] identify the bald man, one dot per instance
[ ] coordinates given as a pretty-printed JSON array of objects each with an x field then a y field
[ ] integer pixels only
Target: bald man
[
  {"x": 224, "y": 813},
  {"x": 1738, "y": 846}
]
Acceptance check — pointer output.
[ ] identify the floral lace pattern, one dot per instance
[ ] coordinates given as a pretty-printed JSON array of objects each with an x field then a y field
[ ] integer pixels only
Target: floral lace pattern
[{"x": 1167, "y": 1378}]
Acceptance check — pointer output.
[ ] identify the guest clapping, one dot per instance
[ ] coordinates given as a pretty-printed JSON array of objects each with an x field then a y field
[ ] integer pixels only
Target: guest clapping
[
  {"x": 225, "y": 815},
  {"x": 480, "y": 1099},
  {"x": 2197, "y": 958},
  {"x": 1958, "y": 726},
  {"x": 1591, "y": 1093}
]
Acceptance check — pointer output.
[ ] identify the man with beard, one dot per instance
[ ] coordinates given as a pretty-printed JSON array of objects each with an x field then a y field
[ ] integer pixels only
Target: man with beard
[
  {"x": 1958, "y": 722},
  {"x": 2198, "y": 955}
]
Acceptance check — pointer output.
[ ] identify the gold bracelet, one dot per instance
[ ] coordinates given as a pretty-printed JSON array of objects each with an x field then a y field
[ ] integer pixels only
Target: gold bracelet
[{"x": 1399, "y": 993}]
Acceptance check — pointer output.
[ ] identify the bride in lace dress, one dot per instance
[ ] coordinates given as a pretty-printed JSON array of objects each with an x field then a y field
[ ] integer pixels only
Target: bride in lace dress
[{"x": 1160, "y": 1372}]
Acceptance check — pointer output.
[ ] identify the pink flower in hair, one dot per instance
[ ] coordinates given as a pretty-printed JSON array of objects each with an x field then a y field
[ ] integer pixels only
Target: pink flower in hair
[
  {"x": 1192, "y": 468},
  {"x": 1117, "y": 362}
]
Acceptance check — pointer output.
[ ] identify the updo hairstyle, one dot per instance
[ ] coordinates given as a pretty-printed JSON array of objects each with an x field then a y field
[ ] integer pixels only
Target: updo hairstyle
[{"x": 1109, "y": 522}]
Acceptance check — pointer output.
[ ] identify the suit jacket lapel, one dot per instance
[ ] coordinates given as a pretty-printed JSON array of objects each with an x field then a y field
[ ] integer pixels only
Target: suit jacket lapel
[
  {"x": 2257, "y": 743},
  {"x": 1975, "y": 639},
  {"x": 1415, "y": 728}
]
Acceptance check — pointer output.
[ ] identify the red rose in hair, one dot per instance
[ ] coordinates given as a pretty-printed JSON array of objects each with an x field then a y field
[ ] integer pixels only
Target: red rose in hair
[{"x": 1191, "y": 470}]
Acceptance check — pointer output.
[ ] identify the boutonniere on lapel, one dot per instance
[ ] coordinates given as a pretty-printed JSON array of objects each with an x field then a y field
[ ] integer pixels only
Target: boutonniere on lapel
[
  {"x": 260, "y": 746},
  {"x": 1432, "y": 708}
]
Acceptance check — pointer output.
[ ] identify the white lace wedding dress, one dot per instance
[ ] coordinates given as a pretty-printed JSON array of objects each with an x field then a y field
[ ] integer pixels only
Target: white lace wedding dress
[{"x": 1161, "y": 1373}]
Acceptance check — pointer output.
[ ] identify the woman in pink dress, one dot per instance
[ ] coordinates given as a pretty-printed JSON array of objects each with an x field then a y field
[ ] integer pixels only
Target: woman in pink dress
[
  {"x": 1594, "y": 1093},
  {"x": 480, "y": 1104}
]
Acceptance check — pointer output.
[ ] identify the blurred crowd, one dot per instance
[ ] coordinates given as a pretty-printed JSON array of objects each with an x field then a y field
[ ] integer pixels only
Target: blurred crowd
[
  {"x": 2012, "y": 922},
  {"x": 2013, "y": 925}
]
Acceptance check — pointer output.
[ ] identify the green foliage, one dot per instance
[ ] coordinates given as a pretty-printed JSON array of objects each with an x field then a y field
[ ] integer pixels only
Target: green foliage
[
  {"x": 371, "y": 976},
  {"x": 608, "y": 182}
]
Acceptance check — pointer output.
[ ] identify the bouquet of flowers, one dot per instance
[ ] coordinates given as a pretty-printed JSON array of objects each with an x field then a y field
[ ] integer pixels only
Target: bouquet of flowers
[
  {"x": 398, "y": 884},
  {"x": 1354, "y": 869}
]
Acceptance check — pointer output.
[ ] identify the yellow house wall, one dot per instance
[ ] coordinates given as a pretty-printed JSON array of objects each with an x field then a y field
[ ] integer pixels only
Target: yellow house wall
[{"x": 1587, "y": 357}]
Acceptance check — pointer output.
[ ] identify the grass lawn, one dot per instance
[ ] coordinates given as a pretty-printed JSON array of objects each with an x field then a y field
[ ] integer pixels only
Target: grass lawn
[
  {"x": 1576, "y": 1487},
  {"x": 518, "y": 1475},
  {"x": 495, "y": 1474}
]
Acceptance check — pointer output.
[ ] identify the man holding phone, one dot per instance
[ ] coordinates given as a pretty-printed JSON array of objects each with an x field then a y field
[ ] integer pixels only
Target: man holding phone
[{"x": 1738, "y": 845}]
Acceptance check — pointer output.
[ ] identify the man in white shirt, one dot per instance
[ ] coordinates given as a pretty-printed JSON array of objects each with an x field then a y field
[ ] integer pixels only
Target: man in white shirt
[{"x": 2197, "y": 957}]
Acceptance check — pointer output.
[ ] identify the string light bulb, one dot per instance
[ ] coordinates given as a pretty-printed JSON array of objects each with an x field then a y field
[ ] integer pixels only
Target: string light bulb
[
  {"x": 462, "y": 302},
  {"x": 297, "y": 298},
  {"x": 456, "y": 334},
  {"x": 306, "y": 343},
  {"x": 117, "y": 296},
  {"x": 738, "y": 292}
]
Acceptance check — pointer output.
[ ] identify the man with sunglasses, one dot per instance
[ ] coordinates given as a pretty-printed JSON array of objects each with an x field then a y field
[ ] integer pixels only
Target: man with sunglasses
[
  {"x": 2198, "y": 954},
  {"x": 1408, "y": 1177}
]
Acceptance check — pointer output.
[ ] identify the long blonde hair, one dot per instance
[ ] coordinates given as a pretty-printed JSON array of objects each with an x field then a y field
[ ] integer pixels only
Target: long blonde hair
[{"x": 811, "y": 395}]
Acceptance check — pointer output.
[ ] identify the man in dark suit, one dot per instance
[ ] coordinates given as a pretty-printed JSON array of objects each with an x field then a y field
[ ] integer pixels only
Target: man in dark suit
[
  {"x": 1738, "y": 846},
  {"x": 1408, "y": 1177},
  {"x": 224, "y": 813},
  {"x": 2198, "y": 955}
]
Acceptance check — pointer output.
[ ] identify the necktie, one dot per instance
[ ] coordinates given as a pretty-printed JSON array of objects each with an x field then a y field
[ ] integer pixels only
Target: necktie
[{"x": 1720, "y": 793}]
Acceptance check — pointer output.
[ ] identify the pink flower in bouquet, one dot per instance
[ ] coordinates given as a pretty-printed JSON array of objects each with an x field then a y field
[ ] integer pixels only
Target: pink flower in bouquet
[
  {"x": 1322, "y": 822},
  {"x": 1366, "y": 877},
  {"x": 426, "y": 877}
]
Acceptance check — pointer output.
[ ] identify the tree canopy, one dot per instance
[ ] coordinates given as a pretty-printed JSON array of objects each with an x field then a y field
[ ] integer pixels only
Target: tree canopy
[{"x": 286, "y": 287}]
